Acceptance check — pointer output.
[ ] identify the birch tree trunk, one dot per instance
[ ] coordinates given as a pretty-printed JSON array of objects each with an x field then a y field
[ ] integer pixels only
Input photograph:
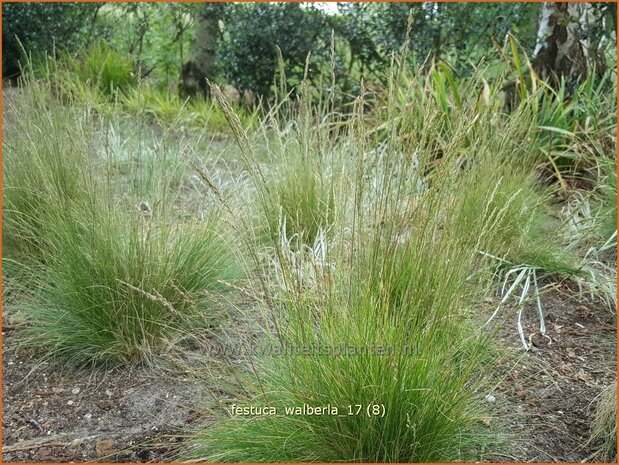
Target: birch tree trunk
[
  {"x": 564, "y": 47},
  {"x": 558, "y": 51}
]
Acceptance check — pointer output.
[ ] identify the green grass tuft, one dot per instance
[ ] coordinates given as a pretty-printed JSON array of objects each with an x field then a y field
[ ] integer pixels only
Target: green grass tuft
[
  {"x": 114, "y": 278},
  {"x": 118, "y": 289}
]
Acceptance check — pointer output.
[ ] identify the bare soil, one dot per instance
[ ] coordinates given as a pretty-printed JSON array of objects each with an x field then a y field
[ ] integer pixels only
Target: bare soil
[
  {"x": 546, "y": 396},
  {"x": 132, "y": 415}
]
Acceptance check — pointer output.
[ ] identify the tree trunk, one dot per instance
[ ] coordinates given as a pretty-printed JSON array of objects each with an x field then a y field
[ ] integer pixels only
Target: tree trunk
[
  {"x": 564, "y": 48},
  {"x": 592, "y": 45},
  {"x": 558, "y": 51},
  {"x": 201, "y": 65}
]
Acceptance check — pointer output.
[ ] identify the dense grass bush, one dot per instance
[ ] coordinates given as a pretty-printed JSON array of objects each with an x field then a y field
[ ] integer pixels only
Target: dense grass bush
[
  {"x": 169, "y": 109},
  {"x": 93, "y": 78},
  {"x": 104, "y": 68},
  {"x": 117, "y": 288},
  {"x": 160, "y": 106},
  {"x": 44, "y": 156},
  {"x": 106, "y": 81},
  {"x": 577, "y": 124},
  {"x": 437, "y": 188},
  {"x": 591, "y": 215},
  {"x": 402, "y": 271},
  {"x": 303, "y": 182},
  {"x": 521, "y": 217},
  {"x": 501, "y": 183},
  {"x": 114, "y": 279},
  {"x": 578, "y": 128}
]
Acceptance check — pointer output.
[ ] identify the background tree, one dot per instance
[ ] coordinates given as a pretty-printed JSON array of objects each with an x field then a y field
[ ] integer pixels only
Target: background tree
[
  {"x": 252, "y": 32},
  {"x": 42, "y": 26},
  {"x": 236, "y": 43},
  {"x": 459, "y": 33},
  {"x": 202, "y": 63}
]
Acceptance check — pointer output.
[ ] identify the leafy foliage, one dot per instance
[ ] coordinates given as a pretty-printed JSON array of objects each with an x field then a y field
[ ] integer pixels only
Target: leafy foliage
[
  {"x": 108, "y": 70},
  {"x": 156, "y": 35},
  {"x": 251, "y": 35},
  {"x": 160, "y": 37},
  {"x": 40, "y": 27},
  {"x": 439, "y": 30}
]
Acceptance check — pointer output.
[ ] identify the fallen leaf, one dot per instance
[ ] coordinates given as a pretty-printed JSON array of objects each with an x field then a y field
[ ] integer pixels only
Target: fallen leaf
[
  {"x": 566, "y": 369},
  {"x": 104, "y": 447}
]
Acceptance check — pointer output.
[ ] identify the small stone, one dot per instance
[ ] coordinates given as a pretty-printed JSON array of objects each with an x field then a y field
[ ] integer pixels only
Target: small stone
[
  {"x": 75, "y": 390},
  {"x": 490, "y": 398},
  {"x": 70, "y": 402},
  {"x": 88, "y": 416},
  {"x": 108, "y": 393},
  {"x": 44, "y": 453}
]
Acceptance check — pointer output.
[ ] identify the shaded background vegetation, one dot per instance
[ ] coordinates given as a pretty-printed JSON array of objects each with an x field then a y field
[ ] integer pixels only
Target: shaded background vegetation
[{"x": 177, "y": 45}]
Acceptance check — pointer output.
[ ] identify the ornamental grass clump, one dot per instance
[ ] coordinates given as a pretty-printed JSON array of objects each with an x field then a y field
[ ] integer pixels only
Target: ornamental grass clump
[
  {"x": 302, "y": 178},
  {"x": 121, "y": 288},
  {"x": 396, "y": 283},
  {"x": 44, "y": 152},
  {"x": 112, "y": 277}
]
